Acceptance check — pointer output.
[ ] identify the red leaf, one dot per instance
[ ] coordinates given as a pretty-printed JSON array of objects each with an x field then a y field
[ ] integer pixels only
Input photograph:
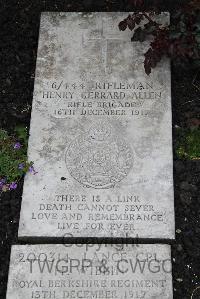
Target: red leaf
[
  {"x": 130, "y": 22},
  {"x": 123, "y": 25},
  {"x": 138, "y": 19},
  {"x": 137, "y": 3},
  {"x": 151, "y": 59},
  {"x": 147, "y": 61},
  {"x": 194, "y": 122}
]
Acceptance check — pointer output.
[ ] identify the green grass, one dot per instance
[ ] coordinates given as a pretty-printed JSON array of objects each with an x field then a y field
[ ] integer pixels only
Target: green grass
[{"x": 188, "y": 144}]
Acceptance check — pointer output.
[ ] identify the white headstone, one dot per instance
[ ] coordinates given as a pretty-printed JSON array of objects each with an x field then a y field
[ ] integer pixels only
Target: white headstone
[
  {"x": 100, "y": 134},
  {"x": 90, "y": 271}
]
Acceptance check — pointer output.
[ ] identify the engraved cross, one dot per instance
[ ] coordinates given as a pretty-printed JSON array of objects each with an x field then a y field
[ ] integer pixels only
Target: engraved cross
[{"x": 104, "y": 37}]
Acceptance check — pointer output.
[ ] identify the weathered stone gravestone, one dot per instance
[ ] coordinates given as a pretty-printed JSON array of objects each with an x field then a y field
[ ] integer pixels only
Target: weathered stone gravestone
[
  {"x": 90, "y": 271},
  {"x": 100, "y": 134}
]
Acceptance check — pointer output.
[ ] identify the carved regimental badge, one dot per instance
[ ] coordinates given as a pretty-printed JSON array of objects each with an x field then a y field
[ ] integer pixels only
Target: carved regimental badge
[{"x": 98, "y": 158}]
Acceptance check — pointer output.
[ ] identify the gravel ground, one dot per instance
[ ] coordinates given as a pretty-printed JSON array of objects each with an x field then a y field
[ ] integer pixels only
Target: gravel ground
[{"x": 19, "y": 25}]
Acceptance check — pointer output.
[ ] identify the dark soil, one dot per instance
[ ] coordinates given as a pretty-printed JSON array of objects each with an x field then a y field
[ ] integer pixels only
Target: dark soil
[{"x": 19, "y": 25}]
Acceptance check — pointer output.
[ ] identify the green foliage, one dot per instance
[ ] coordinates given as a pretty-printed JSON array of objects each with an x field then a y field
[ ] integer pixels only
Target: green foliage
[
  {"x": 21, "y": 133},
  {"x": 13, "y": 158},
  {"x": 188, "y": 145}
]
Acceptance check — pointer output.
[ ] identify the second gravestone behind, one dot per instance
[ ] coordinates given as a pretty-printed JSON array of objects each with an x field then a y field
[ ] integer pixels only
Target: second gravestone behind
[
  {"x": 100, "y": 134},
  {"x": 100, "y": 271}
]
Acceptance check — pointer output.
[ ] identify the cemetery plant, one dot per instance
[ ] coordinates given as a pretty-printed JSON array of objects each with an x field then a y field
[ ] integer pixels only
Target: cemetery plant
[
  {"x": 13, "y": 158},
  {"x": 188, "y": 143},
  {"x": 179, "y": 41}
]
